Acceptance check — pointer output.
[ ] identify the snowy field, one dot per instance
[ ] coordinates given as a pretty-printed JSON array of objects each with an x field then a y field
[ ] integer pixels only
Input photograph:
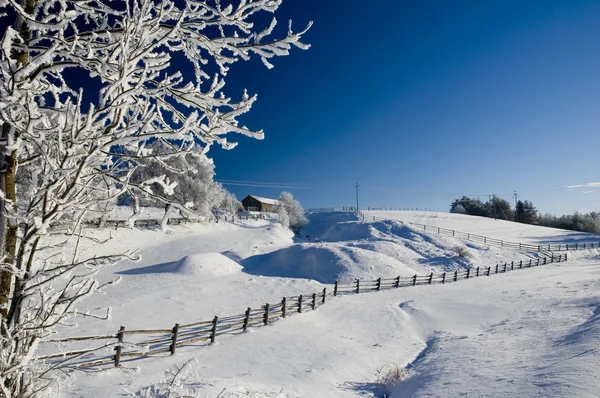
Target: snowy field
[
  {"x": 498, "y": 229},
  {"x": 527, "y": 333}
]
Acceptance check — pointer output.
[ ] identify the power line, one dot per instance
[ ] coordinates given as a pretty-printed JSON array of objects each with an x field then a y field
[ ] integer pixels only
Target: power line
[{"x": 277, "y": 185}]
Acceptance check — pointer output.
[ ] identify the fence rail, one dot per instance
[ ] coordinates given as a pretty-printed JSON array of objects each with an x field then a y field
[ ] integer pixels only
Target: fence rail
[
  {"x": 129, "y": 345},
  {"x": 500, "y": 242},
  {"x": 98, "y": 223}
]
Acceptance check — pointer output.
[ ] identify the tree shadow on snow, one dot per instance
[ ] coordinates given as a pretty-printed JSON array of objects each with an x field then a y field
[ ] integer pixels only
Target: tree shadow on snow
[
  {"x": 151, "y": 269},
  {"x": 570, "y": 238},
  {"x": 364, "y": 389},
  {"x": 445, "y": 263}
]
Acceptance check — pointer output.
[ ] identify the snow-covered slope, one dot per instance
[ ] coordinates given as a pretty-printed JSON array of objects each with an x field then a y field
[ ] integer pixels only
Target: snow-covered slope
[
  {"x": 193, "y": 272},
  {"x": 522, "y": 334},
  {"x": 498, "y": 229},
  {"x": 337, "y": 246}
]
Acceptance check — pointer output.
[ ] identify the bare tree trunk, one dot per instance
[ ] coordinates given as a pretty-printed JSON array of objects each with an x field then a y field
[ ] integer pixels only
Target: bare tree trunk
[{"x": 9, "y": 226}]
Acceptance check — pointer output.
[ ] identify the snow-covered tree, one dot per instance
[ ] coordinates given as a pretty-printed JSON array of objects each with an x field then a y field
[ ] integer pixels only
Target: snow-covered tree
[
  {"x": 190, "y": 178},
  {"x": 230, "y": 204},
  {"x": 75, "y": 151},
  {"x": 290, "y": 212}
]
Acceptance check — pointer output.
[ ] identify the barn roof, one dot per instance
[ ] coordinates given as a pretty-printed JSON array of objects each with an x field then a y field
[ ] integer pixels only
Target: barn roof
[{"x": 266, "y": 201}]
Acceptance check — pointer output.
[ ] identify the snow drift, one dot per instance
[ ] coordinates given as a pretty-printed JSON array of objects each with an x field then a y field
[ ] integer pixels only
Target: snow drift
[{"x": 201, "y": 264}]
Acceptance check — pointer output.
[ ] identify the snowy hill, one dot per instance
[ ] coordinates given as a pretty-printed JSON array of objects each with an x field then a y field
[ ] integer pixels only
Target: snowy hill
[
  {"x": 498, "y": 229},
  {"x": 446, "y": 334}
]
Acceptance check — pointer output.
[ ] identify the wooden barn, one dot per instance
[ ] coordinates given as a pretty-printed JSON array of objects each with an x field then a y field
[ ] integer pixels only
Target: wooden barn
[{"x": 257, "y": 203}]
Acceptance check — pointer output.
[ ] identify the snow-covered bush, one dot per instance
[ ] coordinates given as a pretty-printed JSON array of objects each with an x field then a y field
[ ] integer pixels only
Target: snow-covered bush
[
  {"x": 230, "y": 204},
  {"x": 458, "y": 209},
  {"x": 79, "y": 151},
  {"x": 180, "y": 383},
  {"x": 283, "y": 217},
  {"x": 290, "y": 212},
  {"x": 390, "y": 375},
  {"x": 463, "y": 252}
]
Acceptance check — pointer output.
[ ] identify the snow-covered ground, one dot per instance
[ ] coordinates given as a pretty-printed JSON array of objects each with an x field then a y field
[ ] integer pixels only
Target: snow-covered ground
[
  {"x": 527, "y": 333},
  {"x": 498, "y": 229}
]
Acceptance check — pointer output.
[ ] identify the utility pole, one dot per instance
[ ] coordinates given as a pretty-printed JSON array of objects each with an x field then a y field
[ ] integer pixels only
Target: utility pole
[
  {"x": 357, "y": 197},
  {"x": 492, "y": 199},
  {"x": 516, "y": 212}
]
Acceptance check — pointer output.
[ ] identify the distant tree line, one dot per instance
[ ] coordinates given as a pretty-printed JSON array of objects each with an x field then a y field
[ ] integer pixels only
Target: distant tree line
[{"x": 525, "y": 212}]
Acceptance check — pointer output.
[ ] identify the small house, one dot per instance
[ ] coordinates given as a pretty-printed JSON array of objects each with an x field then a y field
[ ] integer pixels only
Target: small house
[{"x": 257, "y": 203}]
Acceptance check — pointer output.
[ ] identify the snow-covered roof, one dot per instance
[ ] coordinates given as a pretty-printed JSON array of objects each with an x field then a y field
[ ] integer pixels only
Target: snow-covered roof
[{"x": 266, "y": 201}]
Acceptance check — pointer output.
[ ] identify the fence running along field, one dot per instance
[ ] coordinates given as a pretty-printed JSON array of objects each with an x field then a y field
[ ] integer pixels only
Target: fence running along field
[
  {"x": 499, "y": 242},
  {"x": 130, "y": 345},
  {"x": 146, "y": 223}
]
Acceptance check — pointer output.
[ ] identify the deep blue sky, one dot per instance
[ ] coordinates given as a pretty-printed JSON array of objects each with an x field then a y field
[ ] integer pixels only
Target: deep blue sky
[{"x": 422, "y": 102}]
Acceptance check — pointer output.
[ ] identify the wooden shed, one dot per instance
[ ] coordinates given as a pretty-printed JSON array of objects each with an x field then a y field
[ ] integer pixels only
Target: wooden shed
[{"x": 257, "y": 203}]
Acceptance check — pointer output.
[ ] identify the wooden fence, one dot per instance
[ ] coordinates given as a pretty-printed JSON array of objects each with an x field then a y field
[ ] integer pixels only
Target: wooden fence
[
  {"x": 499, "y": 242},
  {"x": 145, "y": 223},
  {"x": 130, "y": 345}
]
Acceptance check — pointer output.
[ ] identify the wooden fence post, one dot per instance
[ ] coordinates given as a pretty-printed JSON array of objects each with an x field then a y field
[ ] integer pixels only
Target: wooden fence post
[
  {"x": 468, "y": 272},
  {"x": 505, "y": 265},
  {"x": 415, "y": 280},
  {"x": 488, "y": 271},
  {"x": 358, "y": 286},
  {"x": 314, "y": 301},
  {"x": 266, "y": 316},
  {"x": 213, "y": 332},
  {"x": 443, "y": 278},
  {"x": 247, "y": 319},
  {"x": 477, "y": 271},
  {"x": 496, "y": 268},
  {"x": 484, "y": 239},
  {"x": 324, "y": 295},
  {"x": 118, "y": 348},
  {"x": 530, "y": 262},
  {"x": 174, "y": 333},
  {"x": 512, "y": 265},
  {"x": 565, "y": 256},
  {"x": 559, "y": 258},
  {"x": 300, "y": 303},
  {"x": 335, "y": 287},
  {"x": 544, "y": 263},
  {"x": 455, "y": 276},
  {"x": 283, "y": 307},
  {"x": 398, "y": 281},
  {"x": 539, "y": 248},
  {"x": 430, "y": 278},
  {"x": 452, "y": 233},
  {"x": 501, "y": 243},
  {"x": 378, "y": 284},
  {"x": 519, "y": 245}
]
